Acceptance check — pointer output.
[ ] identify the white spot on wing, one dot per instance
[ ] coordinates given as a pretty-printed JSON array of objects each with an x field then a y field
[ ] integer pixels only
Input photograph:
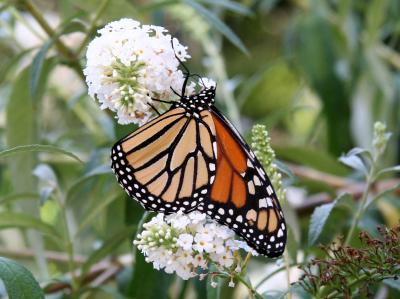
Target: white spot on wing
[{"x": 262, "y": 203}]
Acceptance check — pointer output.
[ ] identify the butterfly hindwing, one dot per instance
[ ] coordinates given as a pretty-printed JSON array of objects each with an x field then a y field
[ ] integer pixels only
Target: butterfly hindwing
[{"x": 242, "y": 196}]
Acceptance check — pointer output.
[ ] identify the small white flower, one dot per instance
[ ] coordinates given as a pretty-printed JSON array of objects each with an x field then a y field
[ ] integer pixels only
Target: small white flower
[
  {"x": 128, "y": 64},
  {"x": 179, "y": 222},
  {"x": 226, "y": 259},
  {"x": 203, "y": 242},
  {"x": 207, "y": 82},
  {"x": 197, "y": 217},
  {"x": 213, "y": 284},
  {"x": 231, "y": 283},
  {"x": 185, "y": 241},
  {"x": 187, "y": 244},
  {"x": 200, "y": 261}
]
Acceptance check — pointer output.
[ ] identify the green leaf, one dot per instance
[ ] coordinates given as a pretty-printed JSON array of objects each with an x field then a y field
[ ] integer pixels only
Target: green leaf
[
  {"x": 109, "y": 246},
  {"x": 230, "y": 5},
  {"x": 37, "y": 67},
  {"x": 218, "y": 24},
  {"x": 100, "y": 170},
  {"x": 38, "y": 148},
  {"x": 22, "y": 114},
  {"x": 18, "y": 196},
  {"x": 274, "y": 294},
  {"x": 383, "y": 194},
  {"x": 360, "y": 151},
  {"x": 393, "y": 283},
  {"x": 354, "y": 162},
  {"x": 319, "y": 66},
  {"x": 87, "y": 219},
  {"x": 39, "y": 59},
  {"x": 45, "y": 174},
  {"x": 320, "y": 216},
  {"x": 11, "y": 219},
  {"x": 387, "y": 170},
  {"x": 19, "y": 282}
]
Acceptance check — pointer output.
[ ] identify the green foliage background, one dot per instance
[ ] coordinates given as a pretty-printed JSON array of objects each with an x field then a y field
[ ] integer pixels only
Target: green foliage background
[{"x": 318, "y": 74}]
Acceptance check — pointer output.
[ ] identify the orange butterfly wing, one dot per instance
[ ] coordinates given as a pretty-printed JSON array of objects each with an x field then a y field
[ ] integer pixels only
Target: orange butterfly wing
[
  {"x": 242, "y": 196},
  {"x": 166, "y": 164}
]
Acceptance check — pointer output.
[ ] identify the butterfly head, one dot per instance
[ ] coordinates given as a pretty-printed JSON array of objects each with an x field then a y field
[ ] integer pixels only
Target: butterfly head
[{"x": 205, "y": 98}]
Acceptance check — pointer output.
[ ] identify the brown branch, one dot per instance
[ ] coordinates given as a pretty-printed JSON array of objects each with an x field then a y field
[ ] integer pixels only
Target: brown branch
[
  {"x": 355, "y": 190},
  {"x": 316, "y": 175},
  {"x": 27, "y": 253}
]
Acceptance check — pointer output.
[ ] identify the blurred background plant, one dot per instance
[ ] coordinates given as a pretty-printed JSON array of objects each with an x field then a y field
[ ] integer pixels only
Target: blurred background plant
[{"x": 317, "y": 74}]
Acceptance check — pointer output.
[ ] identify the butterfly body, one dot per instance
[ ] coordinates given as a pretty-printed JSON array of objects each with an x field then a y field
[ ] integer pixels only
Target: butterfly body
[{"x": 192, "y": 158}]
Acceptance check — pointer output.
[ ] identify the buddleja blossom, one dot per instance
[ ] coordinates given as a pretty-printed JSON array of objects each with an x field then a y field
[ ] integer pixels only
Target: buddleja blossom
[
  {"x": 188, "y": 244},
  {"x": 128, "y": 64}
]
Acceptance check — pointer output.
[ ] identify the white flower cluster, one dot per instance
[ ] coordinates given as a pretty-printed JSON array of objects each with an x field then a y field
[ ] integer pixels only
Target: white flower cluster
[
  {"x": 188, "y": 244},
  {"x": 128, "y": 64}
]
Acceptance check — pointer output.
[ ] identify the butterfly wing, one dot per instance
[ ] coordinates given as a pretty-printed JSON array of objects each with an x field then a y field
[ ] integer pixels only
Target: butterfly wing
[
  {"x": 242, "y": 196},
  {"x": 168, "y": 164}
]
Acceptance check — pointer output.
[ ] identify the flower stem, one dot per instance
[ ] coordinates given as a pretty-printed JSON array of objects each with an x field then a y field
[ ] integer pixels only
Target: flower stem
[
  {"x": 92, "y": 27},
  {"x": 362, "y": 277},
  {"x": 362, "y": 206},
  {"x": 69, "y": 246},
  {"x": 252, "y": 292},
  {"x": 287, "y": 267}
]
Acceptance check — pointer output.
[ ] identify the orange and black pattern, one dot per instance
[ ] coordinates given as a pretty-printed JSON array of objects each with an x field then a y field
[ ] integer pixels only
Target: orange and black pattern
[{"x": 192, "y": 158}]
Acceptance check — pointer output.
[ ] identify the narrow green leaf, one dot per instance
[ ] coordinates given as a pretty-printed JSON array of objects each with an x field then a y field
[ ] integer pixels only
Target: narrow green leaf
[
  {"x": 382, "y": 194},
  {"x": 18, "y": 196},
  {"x": 22, "y": 114},
  {"x": 93, "y": 213},
  {"x": 46, "y": 174},
  {"x": 100, "y": 170},
  {"x": 218, "y": 24},
  {"x": 37, "y": 67},
  {"x": 230, "y": 5},
  {"x": 274, "y": 294},
  {"x": 11, "y": 219},
  {"x": 354, "y": 162},
  {"x": 360, "y": 151},
  {"x": 40, "y": 57},
  {"x": 387, "y": 170},
  {"x": 109, "y": 245},
  {"x": 320, "y": 216},
  {"x": 38, "y": 148},
  {"x": 19, "y": 282},
  {"x": 393, "y": 283}
]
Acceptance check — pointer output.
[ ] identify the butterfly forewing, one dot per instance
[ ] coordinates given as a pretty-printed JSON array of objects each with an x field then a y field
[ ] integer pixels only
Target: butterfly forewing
[{"x": 166, "y": 163}]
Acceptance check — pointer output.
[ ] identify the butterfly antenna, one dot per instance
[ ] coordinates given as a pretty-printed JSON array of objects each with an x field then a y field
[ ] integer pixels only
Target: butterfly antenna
[
  {"x": 187, "y": 72},
  {"x": 177, "y": 58}
]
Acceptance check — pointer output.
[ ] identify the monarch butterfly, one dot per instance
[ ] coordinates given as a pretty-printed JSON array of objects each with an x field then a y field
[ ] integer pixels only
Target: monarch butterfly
[{"x": 192, "y": 158}]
